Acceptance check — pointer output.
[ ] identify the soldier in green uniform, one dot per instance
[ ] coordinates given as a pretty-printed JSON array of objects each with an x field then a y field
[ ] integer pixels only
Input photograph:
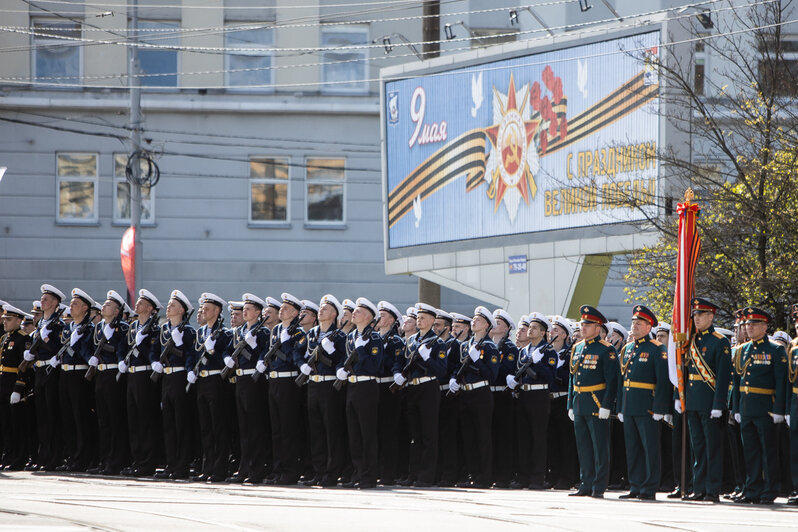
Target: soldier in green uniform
[
  {"x": 760, "y": 389},
  {"x": 708, "y": 377},
  {"x": 644, "y": 399},
  {"x": 591, "y": 396},
  {"x": 792, "y": 411}
]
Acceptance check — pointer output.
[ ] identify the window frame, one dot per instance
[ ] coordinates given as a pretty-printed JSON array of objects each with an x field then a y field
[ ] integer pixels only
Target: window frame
[
  {"x": 34, "y": 46},
  {"x": 269, "y": 180},
  {"x": 178, "y": 26},
  {"x": 115, "y": 180},
  {"x": 326, "y": 223},
  {"x": 228, "y": 55},
  {"x": 339, "y": 88},
  {"x": 701, "y": 55},
  {"x": 95, "y": 180}
]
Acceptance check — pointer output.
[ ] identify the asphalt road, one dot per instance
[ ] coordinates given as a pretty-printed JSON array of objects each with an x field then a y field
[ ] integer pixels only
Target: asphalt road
[{"x": 38, "y": 501}]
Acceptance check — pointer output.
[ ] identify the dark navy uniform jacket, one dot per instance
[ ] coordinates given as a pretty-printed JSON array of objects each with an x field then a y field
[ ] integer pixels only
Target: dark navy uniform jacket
[
  {"x": 393, "y": 349},
  {"x": 544, "y": 368},
  {"x": 238, "y": 334},
  {"x": 508, "y": 357},
  {"x": 143, "y": 353},
  {"x": 184, "y": 356},
  {"x": 486, "y": 368},
  {"x": 369, "y": 356},
  {"x": 337, "y": 337},
  {"x": 215, "y": 360},
  {"x": 293, "y": 350},
  {"x": 117, "y": 343},
  {"x": 82, "y": 348},
  {"x": 435, "y": 366},
  {"x": 50, "y": 347},
  {"x": 563, "y": 372}
]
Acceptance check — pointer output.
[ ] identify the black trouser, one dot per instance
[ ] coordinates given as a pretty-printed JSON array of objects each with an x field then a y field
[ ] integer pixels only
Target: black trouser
[
  {"x": 75, "y": 415},
  {"x": 143, "y": 420},
  {"x": 447, "y": 439},
  {"x": 423, "y": 402},
  {"x": 707, "y": 451},
  {"x": 362, "y": 400},
  {"x": 504, "y": 435},
  {"x": 12, "y": 424},
  {"x": 176, "y": 423},
  {"x": 109, "y": 399},
  {"x": 388, "y": 421},
  {"x": 213, "y": 416},
  {"x": 285, "y": 417},
  {"x": 48, "y": 419},
  {"x": 761, "y": 458},
  {"x": 229, "y": 398},
  {"x": 533, "y": 423},
  {"x": 476, "y": 408},
  {"x": 252, "y": 407},
  {"x": 618, "y": 466},
  {"x": 326, "y": 430},
  {"x": 561, "y": 447}
]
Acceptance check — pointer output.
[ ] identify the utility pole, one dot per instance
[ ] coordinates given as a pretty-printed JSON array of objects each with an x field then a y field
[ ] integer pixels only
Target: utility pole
[{"x": 135, "y": 138}]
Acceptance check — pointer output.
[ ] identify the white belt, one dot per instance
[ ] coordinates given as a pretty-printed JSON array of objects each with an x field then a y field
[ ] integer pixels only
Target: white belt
[
  {"x": 444, "y": 387},
  {"x": 40, "y": 363},
  {"x": 533, "y": 387},
  {"x": 497, "y": 388},
  {"x": 475, "y": 386},
  {"x": 420, "y": 380},
  {"x": 134, "y": 369},
  {"x": 103, "y": 367},
  {"x": 240, "y": 372},
  {"x": 173, "y": 369},
  {"x": 360, "y": 378},
  {"x": 557, "y": 395},
  {"x": 74, "y": 367},
  {"x": 281, "y": 374},
  {"x": 209, "y": 372},
  {"x": 322, "y": 378},
  {"x": 383, "y": 380}
]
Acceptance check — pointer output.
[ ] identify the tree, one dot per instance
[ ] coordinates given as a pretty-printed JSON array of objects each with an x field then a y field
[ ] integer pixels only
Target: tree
[{"x": 739, "y": 154}]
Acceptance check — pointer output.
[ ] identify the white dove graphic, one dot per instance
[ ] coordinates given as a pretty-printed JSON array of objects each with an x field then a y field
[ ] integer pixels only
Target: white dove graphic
[
  {"x": 581, "y": 78},
  {"x": 476, "y": 93},
  {"x": 417, "y": 209}
]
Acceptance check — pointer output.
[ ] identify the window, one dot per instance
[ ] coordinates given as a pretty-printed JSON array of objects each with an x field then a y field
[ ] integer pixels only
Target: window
[
  {"x": 778, "y": 69},
  {"x": 268, "y": 190},
  {"x": 56, "y": 53},
  {"x": 122, "y": 193},
  {"x": 699, "y": 66},
  {"x": 247, "y": 67},
  {"x": 76, "y": 176},
  {"x": 345, "y": 70},
  {"x": 325, "y": 190},
  {"x": 162, "y": 62}
]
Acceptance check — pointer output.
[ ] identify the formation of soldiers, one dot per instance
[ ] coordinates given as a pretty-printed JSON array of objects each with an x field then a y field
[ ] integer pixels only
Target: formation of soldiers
[{"x": 358, "y": 394}]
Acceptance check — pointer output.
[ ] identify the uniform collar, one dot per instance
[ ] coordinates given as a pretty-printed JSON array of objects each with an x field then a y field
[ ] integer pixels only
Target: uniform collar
[{"x": 590, "y": 340}]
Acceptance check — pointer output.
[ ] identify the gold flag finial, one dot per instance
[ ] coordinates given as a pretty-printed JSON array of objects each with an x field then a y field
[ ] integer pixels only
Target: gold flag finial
[{"x": 688, "y": 194}]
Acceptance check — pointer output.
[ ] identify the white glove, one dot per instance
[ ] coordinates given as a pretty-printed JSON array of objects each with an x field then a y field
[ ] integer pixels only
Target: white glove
[
  {"x": 108, "y": 331},
  {"x": 537, "y": 356},
  {"x": 657, "y": 417},
  {"x": 424, "y": 351},
  {"x": 191, "y": 377},
  {"x": 54, "y": 362},
  {"x": 122, "y": 367},
  {"x": 571, "y": 414},
  {"x": 620, "y": 417},
  {"x": 778, "y": 418},
  {"x": 715, "y": 414},
  {"x": 342, "y": 374},
  {"x": 787, "y": 419},
  {"x": 28, "y": 355},
  {"x": 604, "y": 413},
  {"x": 210, "y": 344},
  {"x": 399, "y": 379},
  {"x": 738, "y": 418},
  {"x": 140, "y": 336},
  {"x": 75, "y": 336},
  {"x": 260, "y": 366},
  {"x": 157, "y": 367},
  {"x": 284, "y": 336},
  {"x": 94, "y": 361},
  {"x": 473, "y": 352},
  {"x": 229, "y": 362},
  {"x": 360, "y": 341},
  {"x": 328, "y": 346},
  {"x": 251, "y": 340},
  {"x": 177, "y": 336},
  {"x": 44, "y": 332},
  {"x": 15, "y": 398},
  {"x": 453, "y": 386},
  {"x": 511, "y": 382},
  {"x": 668, "y": 419},
  {"x": 677, "y": 405},
  {"x": 306, "y": 369}
]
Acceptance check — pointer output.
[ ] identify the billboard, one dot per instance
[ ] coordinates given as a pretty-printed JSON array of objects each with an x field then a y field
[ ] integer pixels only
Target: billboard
[{"x": 555, "y": 140}]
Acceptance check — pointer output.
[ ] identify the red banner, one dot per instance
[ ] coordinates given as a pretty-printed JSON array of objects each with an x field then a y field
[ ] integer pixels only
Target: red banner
[
  {"x": 689, "y": 246},
  {"x": 127, "y": 254}
]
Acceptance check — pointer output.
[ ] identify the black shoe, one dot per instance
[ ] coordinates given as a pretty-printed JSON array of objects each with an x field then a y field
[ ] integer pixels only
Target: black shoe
[
  {"x": 235, "y": 479},
  {"x": 110, "y": 472},
  {"x": 675, "y": 494},
  {"x": 421, "y": 484},
  {"x": 366, "y": 485},
  {"x": 747, "y": 500},
  {"x": 496, "y": 485},
  {"x": 597, "y": 495},
  {"x": 579, "y": 493},
  {"x": 515, "y": 485},
  {"x": 694, "y": 497},
  {"x": 328, "y": 482},
  {"x": 404, "y": 482},
  {"x": 630, "y": 495},
  {"x": 711, "y": 498},
  {"x": 94, "y": 470},
  {"x": 162, "y": 475},
  {"x": 199, "y": 478},
  {"x": 646, "y": 497},
  {"x": 141, "y": 472},
  {"x": 309, "y": 482},
  {"x": 793, "y": 501},
  {"x": 765, "y": 501},
  {"x": 349, "y": 484},
  {"x": 215, "y": 479},
  {"x": 63, "y": 468},
  {"x": 253, "y": 480},
  {"x": 465, "y": 484},
  {"x": 562, "y": 485},
  {"x": 536, "y": 486},
  {"x": 31, "y": 467},
  {"x": 286, "y": 481},
  {"x": 179, "y": 476}
]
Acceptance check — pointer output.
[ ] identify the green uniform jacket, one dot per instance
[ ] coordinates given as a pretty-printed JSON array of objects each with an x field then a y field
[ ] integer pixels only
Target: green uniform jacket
[
  {"x": 715, "y": 350},
  {"x": 643, "y": 387},
  {"x": 792, "y": 385},
  {"x": 760, "y": 375},
  {"x": 594, "y": 363}
]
